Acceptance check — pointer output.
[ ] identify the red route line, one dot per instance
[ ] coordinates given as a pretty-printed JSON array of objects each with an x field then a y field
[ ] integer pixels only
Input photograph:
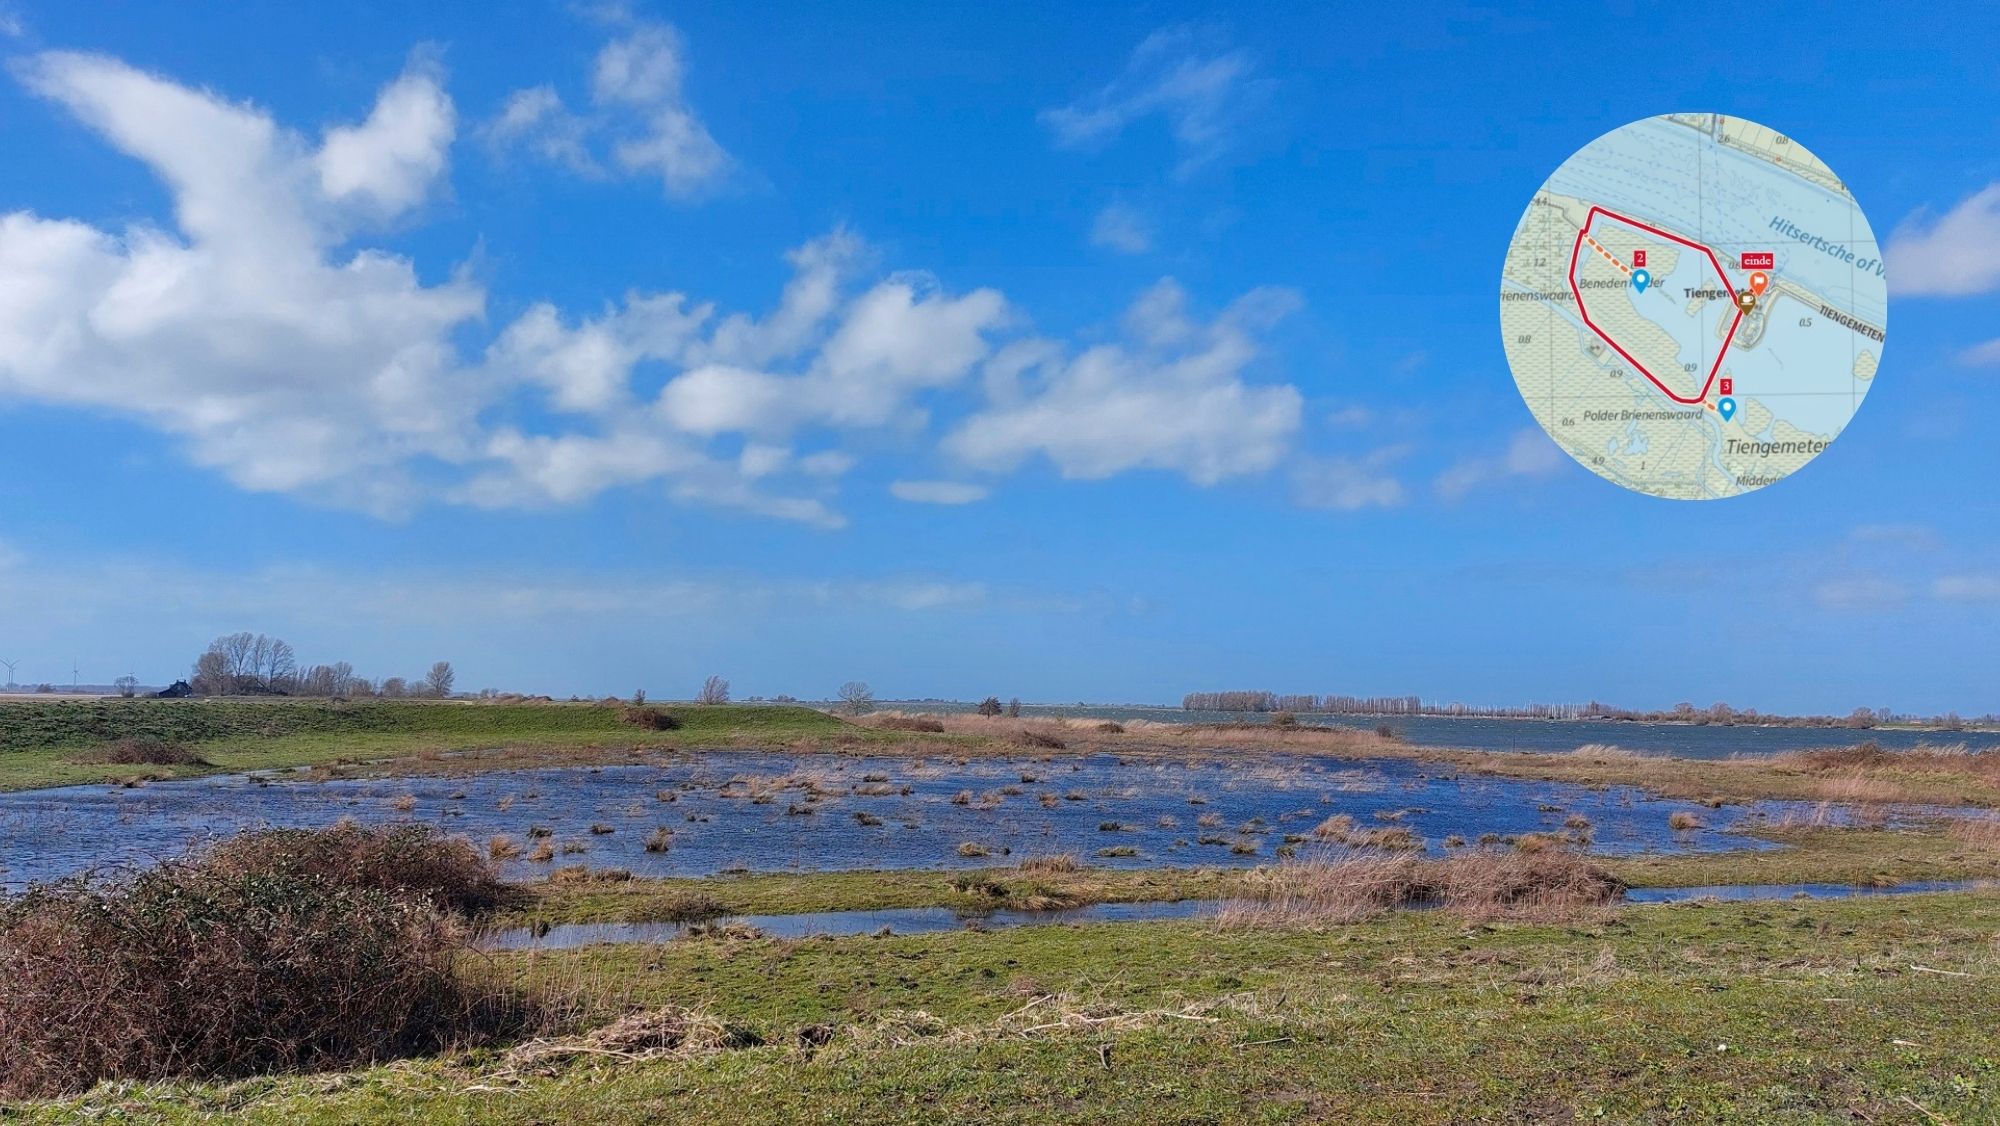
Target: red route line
[{"x": 1577, "y": 250}]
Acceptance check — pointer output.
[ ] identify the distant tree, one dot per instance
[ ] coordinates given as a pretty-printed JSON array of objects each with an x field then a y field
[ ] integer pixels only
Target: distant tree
[
  {"x": 211, "y": 674},
  {"x": 45, "y": 689},
  {"x": 1014, "y": 708},
  {"x": 714, "y": 690},
  {"x": 127, "y": 685},
  {"x": 990, "y": 706},
  {"x": 857, "y": 697},
  {"x": 639, "y": 698},
  {"x": 437, "y": 682},
  {"x": 395, "y": 688}
]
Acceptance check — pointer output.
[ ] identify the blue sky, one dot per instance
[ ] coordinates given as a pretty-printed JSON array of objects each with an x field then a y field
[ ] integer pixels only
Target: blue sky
[{"x": 1066, "y": 354}]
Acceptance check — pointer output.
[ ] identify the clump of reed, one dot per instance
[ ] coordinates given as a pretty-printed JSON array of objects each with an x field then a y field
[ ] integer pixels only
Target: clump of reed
[
  {"x": 1481, "y": 885},
  {"x": 660, "y": 839},
  {"x": 1056, "y": 863},
  {"x": 1682, "y": 821}
]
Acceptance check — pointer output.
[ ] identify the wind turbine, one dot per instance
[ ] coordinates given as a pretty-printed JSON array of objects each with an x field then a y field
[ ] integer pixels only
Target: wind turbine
[{"x": 10, "y": 671}]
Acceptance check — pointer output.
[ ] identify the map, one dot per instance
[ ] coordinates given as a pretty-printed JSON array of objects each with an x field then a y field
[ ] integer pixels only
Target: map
[{"x": 1693, "y": 306}]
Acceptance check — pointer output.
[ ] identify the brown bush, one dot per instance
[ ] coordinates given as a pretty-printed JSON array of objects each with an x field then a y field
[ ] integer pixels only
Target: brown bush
[
  {"x": 652, "y": 719},
  {"x": 142, "y": 751},
  {"x": 407, "y": 861},
  {"x": 1029, "y": 737},
  {"x": 911, "y": 723},
  {"x": 262, "y": 954}
]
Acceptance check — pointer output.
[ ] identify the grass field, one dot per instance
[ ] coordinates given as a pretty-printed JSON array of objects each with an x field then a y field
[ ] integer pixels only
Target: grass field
[
  {"x": 41, "y": 742},
  {"x": 1873, "y": 1011}
]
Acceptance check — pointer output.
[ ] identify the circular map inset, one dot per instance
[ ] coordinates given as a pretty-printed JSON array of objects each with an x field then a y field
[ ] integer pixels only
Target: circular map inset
[{"x": 1693, "y": 306}]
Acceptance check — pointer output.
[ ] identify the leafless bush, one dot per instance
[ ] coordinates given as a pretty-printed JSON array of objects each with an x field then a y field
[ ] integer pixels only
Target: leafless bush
[
  {"x": 278, "y": 951},
  {"x": 651, "y": 719}
]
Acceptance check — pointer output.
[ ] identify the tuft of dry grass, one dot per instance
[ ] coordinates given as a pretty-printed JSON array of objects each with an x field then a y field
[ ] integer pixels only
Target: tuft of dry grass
[
  {"x": 660, "y": 839},
  {"x": 502, "y": 847},
  {"x": 1050, "y": 865},
  {"x": 1681, "y": 821},
  {"x": 1484, "y": 884}
]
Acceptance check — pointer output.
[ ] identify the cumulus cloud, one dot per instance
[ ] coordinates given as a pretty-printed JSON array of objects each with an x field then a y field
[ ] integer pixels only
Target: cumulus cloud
[
  {"x": 262, "y": 334},
  {"x": 937, "y": 492},
  {"x": 278, "y": 358},
  {"x": 639, "y": 123},
  {"x": 1119, "y": 227},
  {"x": 1171, "y": 397},
  {"x": 1949, "y": 255},
  {"x": 1970, "y": 587},
  {"x": 1182, "y": 74},
  {"x": 1529, "y": 454}
]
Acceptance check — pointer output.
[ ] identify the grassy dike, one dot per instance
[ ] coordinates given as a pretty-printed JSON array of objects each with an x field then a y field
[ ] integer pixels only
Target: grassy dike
[
  {"x": 51, "y": 743},
  {"x": 1865, "y": 1010}
]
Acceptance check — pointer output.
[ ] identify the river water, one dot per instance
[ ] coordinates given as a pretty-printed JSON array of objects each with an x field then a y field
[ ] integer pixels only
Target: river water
[{"x": 1682, "y": 740}]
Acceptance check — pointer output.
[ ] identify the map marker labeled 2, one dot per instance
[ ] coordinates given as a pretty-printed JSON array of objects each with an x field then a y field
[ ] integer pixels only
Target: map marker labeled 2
[
  {"x": 1726, "y": 408},
  {"x": 1641, "y": 279}
]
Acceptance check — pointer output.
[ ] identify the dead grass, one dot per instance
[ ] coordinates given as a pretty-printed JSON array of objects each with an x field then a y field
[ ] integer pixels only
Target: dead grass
[
  {"x": 141, "y": 751},
  {"x": 1482, "y": 885}
]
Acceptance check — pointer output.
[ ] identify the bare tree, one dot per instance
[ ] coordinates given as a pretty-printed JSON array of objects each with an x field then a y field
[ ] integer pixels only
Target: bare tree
[
  {"x": 714, "y": 690},
  {"x": 395, "y": 688},
  {"x": 990, "y": 706},
  {"x": 1014, "y": 708},
  {"x": 857, "y": 697},
  {"x": 211, "y": 674},
  {"x": 127, "y": 685},
  {"x": 639, "y": 698},
  {"x": 437, "y": 682}
]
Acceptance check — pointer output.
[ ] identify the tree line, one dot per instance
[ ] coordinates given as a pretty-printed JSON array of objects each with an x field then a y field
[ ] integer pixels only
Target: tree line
[
  {"x": 1717, "y": 713},
  {"x": 247, "y": 664}
]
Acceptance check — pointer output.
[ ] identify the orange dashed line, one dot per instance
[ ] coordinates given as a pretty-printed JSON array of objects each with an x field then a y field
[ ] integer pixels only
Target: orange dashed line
[{"x": 1608, "y": 256}]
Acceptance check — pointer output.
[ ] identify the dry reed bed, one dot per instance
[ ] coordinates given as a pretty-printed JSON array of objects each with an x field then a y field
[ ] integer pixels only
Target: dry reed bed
[{"x": 1480, "y": 884}]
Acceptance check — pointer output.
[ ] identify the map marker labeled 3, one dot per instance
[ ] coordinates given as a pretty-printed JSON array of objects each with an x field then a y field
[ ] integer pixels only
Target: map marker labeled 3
[{"x": 1726, "y": 408}]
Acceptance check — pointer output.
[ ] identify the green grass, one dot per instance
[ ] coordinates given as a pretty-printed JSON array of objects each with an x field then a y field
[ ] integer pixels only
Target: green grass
[
  {"x": 40, "y": 739},
  {"x": 1866, "y": 857},
  {"x": 1865, "y": 1010}
]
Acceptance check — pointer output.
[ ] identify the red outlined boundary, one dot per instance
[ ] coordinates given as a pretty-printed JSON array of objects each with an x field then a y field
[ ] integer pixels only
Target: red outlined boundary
[{"x": 1577, "y": 292}]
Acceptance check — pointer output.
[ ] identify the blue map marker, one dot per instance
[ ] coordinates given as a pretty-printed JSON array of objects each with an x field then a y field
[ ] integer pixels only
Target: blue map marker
[
  {"x": 1726, "y": 408},
  {"x": 1641, "y": 279}
]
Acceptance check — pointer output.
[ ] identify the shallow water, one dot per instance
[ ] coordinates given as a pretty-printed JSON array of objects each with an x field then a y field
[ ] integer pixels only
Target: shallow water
[
  {"x": 764, "y": 811},
  {"x": 930, "y": 920},
  {"x": 1681, "y": 740}
]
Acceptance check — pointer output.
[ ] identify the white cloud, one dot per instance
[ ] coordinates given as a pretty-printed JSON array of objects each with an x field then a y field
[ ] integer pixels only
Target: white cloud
[
  {"x": 281, "y": 352},
  {"x": 1349, "y": 484},
  {"x": 937, "y": 492},
  {"x": 639, "y": 114},
  {"x": 10, "y": 22},
  {"x": 1529, "y": 454},
  {"x": 1981, "y": 355},
  {"x": 278, "y": 359},
  {"x": 389, "y": 162},
  {"x": 1171, "y": 398},
  {"x": 1950, "y": 255},
  {"x": 1180, "y": 74},
  {"x": 1121, "y": 228},
  {"x": 1350, "y": 417}
]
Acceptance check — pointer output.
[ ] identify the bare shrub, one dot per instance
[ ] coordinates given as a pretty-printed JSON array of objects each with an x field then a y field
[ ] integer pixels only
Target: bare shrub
[
  {"x": 408, "y": 861},
  {"x": 261, "y": 954},
  {"x": 1028, "y": 737},
  {"x": 651, "y": 719},
  {"x": 910, "y": 723}
]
